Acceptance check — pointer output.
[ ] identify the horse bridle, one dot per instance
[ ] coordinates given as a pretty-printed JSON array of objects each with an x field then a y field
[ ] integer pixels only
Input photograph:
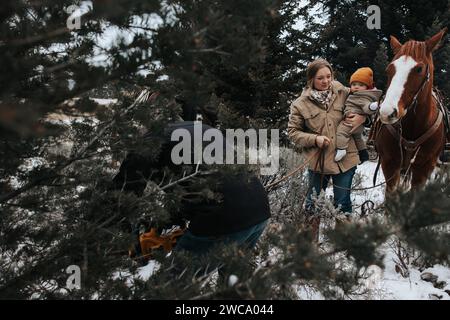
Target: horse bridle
[
  {"x": 412, "y": 106},
  {"x": 413, "y": 103},
  {"x": 407, "y": 145}
]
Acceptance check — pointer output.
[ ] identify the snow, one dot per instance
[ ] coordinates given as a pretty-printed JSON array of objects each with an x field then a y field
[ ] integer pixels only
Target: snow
[
  {"x": 367, "y": 171},
  {"x": 379, "y": 284},
  {"x": 104, "y": 102},
  {"x": 143, "y": 273},
  {"x": 387, "y": 284},
  {"x": 306, "y": 293},
  {"x": 232, "y": 280},
  {"x": 390, "y": 285},
  {"x": 148, "y": 270},
  {"x": 364, "y": 174}
]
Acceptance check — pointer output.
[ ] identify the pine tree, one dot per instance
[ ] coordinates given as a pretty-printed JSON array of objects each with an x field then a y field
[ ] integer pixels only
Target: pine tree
[
  {"x": 240, "y": 69},
  {"x": 55, "y": 211},
  {"x": 441, "y": 57},
  {"x": 235, "y": 62},
  {"x": 379, "y": 67},
  {"x": 343, "y": 38}
]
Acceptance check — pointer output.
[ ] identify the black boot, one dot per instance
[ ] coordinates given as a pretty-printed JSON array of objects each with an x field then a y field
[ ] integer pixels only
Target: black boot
[{"x": 363, "y": 155}]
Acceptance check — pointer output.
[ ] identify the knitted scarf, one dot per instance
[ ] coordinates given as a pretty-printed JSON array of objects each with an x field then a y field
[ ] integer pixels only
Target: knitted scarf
[{"x": 323, "y": 97}]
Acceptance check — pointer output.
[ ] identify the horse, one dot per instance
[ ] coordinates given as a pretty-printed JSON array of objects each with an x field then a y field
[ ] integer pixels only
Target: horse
[{"x": 411, "y": 135}]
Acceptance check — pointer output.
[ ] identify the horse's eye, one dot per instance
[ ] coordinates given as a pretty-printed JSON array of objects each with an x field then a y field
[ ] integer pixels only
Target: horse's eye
[{"x": 419, "y": 69}]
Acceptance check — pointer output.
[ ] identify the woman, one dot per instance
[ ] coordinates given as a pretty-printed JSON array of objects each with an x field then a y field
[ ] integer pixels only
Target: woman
[{"x": 313, "y": 121}]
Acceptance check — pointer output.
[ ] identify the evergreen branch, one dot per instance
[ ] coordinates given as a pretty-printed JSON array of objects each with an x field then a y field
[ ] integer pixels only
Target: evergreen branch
[
  {"x": 141, "y": 27},
  {"x": 144, "y": 96},
  {"x": 46, "y": 36},
  {"x": 213, "y": 50},
  {"x": 39, "y": 37},
  {"x": 29, "y": 186},
  {"x": 61, "y": 66},
  {"x": 184, "y": 178}
]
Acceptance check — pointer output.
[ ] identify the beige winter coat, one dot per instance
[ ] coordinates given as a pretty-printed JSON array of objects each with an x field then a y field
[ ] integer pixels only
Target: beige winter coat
[
  {"x": 358, "y": 102},
  {"x": 308, "y": 119}
]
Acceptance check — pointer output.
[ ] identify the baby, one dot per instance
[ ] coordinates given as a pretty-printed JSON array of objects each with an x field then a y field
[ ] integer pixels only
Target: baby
[{"x": 363, "y": 99}]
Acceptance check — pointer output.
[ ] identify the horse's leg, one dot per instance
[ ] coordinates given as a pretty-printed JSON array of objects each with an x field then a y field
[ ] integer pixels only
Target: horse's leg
[
  {"x": 390, "y": 157},
  {"x": 426, "y": 159},
  {"x": 391, "y": 175},
  {"x": 391, "y": 172},
  {"x": 420, "y": 175},
  {"x": 421, "y": 170}
]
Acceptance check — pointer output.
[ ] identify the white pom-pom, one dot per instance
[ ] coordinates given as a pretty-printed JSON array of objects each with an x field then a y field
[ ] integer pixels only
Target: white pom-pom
[{"x": 373, "y": 106}]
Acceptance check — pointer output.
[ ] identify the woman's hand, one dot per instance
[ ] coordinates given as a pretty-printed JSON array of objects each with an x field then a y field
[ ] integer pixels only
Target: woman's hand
[
  {"x": 322, "y": 141},
  {"x": 354, "y": 120}
]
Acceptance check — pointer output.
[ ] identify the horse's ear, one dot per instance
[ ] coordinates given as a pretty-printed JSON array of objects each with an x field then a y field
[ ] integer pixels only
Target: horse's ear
[
  {"x": 434, "y": 41},
  {"x": 395, "y": 44}
]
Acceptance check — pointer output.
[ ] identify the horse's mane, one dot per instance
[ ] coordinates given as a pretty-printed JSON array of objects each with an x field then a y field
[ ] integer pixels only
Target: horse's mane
[{"x": 414, "y": 49}]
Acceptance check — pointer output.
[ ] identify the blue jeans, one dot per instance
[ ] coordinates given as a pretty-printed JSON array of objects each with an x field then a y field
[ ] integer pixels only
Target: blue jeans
[
  {"x": 341, "y": 196},
  {"x": 202, "y": 244}
]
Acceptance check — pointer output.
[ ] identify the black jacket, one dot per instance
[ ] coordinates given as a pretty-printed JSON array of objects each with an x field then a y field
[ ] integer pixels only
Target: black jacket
[{"x": 243, "y": 199}]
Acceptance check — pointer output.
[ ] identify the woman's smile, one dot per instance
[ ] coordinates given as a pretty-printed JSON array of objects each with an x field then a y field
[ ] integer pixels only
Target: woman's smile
[{"x": 323, "y": 78}]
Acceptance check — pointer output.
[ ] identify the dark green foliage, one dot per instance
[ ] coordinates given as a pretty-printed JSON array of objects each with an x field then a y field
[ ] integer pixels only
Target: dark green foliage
[
  {"x": 423, "y": 219},
  {"x": 360, "y": 241},
  {"x": 343, "y": 38},
  {"x": 239, "y": 64}
]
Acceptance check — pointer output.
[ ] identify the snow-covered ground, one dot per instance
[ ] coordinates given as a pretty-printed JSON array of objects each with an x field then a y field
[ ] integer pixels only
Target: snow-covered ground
[
  {"x": 381, "y": 284},
  {"x": 387, "y": 284},
  {"x": 391, "y": 285}
]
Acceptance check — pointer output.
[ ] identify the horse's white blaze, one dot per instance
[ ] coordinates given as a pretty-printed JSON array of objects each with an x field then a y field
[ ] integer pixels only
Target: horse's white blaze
[{"x": 403, "y": 67}]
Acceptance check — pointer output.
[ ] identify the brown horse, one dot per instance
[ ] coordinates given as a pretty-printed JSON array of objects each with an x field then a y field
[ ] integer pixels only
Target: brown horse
[{"x": 412, "y": 135}]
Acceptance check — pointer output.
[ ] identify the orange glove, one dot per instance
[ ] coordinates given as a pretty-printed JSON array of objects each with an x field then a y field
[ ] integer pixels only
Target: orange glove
[{"x": 152, "y": 240}]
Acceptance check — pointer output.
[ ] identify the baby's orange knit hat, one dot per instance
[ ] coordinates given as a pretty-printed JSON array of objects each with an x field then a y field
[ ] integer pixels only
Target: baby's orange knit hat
[{"x": 364, "y": 75}]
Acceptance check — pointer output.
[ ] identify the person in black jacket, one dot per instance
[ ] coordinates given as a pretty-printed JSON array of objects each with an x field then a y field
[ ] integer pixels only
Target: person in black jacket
[{"x": 239, "y": 215}]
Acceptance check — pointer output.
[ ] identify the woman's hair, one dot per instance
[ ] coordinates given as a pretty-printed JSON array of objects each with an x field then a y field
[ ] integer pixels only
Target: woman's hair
[{"x": 315, "y": 66}]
